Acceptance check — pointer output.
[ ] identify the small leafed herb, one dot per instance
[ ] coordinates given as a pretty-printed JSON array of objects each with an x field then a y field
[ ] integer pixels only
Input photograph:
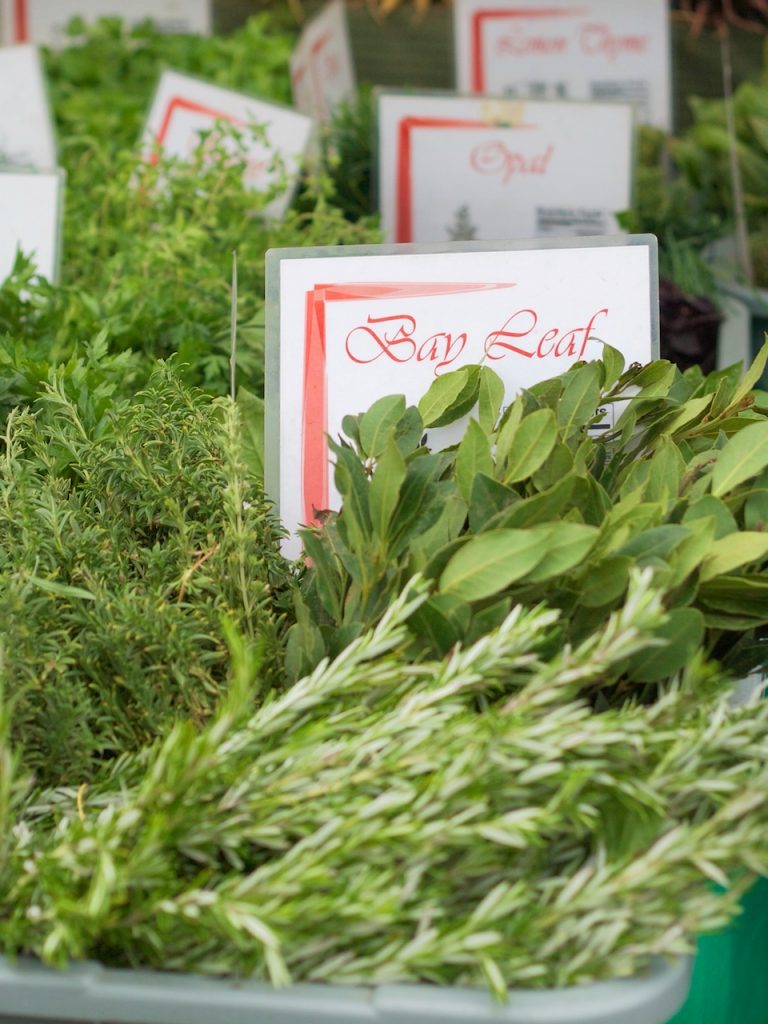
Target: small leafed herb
[
  {"x": 129, "y": 545},
  {"x": 147, "y": 248}
]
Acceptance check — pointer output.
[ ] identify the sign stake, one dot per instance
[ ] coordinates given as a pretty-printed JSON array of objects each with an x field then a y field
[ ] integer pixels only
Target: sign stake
[{"x": 233, "y": 331}]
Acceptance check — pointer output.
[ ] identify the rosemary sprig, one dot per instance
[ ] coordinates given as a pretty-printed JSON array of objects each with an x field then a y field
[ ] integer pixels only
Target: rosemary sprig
[{"x": 376, "y": 823}]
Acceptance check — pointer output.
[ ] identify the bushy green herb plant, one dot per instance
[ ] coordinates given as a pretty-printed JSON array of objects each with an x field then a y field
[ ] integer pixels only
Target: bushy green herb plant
[
  {"x": 535, "y": 506},
  {"x": 348, "y": 150},
  {"x": 152, "y": 279},
  {"x": 148, "y": 249},
  {"x": 102, "y": 84},
  {"x": 665, "y": 204},
  {"x": 459, "y": 820},
  {"x": 129, "y": 537},
  {"x": 151, "y": 262},
  {"x": 93, "y": 373},
  {"x": 150, "y": 266}
]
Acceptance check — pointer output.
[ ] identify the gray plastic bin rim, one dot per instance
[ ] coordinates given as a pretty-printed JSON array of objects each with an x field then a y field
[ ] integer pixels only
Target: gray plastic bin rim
[{"x": 87, "y": 992}]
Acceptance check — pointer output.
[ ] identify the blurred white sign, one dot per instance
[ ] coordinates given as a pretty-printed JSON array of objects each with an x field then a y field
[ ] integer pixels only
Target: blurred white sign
[
  {"x": 455, "y": 168},
  {"x": 322, "y": 71},
  {"x": 584, "y": 49},
  {"x": 45, "y": 21},
  {"x": 184, "y": 106},
  {"x": 30, "y": 217},
  {"x": 345, "y": 328},
  {"x": 26, "y": 128}
]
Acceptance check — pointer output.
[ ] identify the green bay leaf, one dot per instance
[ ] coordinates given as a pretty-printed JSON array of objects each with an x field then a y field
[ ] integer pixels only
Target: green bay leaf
[
  {"x": 744, "y": 456},
  {"x": 531, "y": 445},
  {"x": 472, "y": 457},
  {"x": 567, "y": 546},
  {"x": 491, "y": 561},
  {"x": 732, "y": 551},
  {"x": 681, "y": 635},
  {"x": 376, "y": 424}
]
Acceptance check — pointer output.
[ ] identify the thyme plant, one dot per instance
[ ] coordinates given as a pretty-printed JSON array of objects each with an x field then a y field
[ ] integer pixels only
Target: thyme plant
[{"x": 129, "y": 544}]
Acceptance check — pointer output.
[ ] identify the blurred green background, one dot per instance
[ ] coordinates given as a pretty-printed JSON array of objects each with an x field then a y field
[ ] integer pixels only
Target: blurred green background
[{"x": 405, "y": 48}]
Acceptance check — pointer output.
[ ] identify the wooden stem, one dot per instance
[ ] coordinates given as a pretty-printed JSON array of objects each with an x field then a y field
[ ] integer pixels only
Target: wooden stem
[{"x": 737, "y": 188}]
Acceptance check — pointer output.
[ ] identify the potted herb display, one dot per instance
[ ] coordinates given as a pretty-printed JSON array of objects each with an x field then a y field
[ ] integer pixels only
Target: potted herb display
[
  {"x": 472, "y": 757},
  {"x": 702, "y": 157},
  {"x": 508, "y": 759},
  {"x": 146, "y": 274}
]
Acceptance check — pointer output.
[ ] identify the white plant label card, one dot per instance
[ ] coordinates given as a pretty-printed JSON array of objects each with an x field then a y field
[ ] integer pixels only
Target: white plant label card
[
  {"x": 552, "y": 49},
  {"x": 30, "y": 217},
  {"x": 26, "y": 127},
  {"x": 322, "y": 69},
  {"x": 347, "y": 325},
  {"x": 454, "y": 168},
  {"x": 45, "y": 21},
  {"x": 184, "y": 106}
]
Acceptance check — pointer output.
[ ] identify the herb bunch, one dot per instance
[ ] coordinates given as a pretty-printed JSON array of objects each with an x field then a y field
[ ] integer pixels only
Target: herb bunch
[
  {"x": 131, "y": 540},
  {"x": 459, "y": 820},
  {"x": 537, "y": 505},
  {"x": 102, "y": 84}
]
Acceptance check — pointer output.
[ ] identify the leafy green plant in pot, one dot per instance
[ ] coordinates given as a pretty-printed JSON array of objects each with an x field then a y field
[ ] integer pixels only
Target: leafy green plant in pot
[
  {"x": 720, "y": 15},
  {"x": 666, "y": 205},
  {"x": 702, "y": 155},
  {"x": 539, "y": 504},
  {"x": 723, "y": 157}
]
